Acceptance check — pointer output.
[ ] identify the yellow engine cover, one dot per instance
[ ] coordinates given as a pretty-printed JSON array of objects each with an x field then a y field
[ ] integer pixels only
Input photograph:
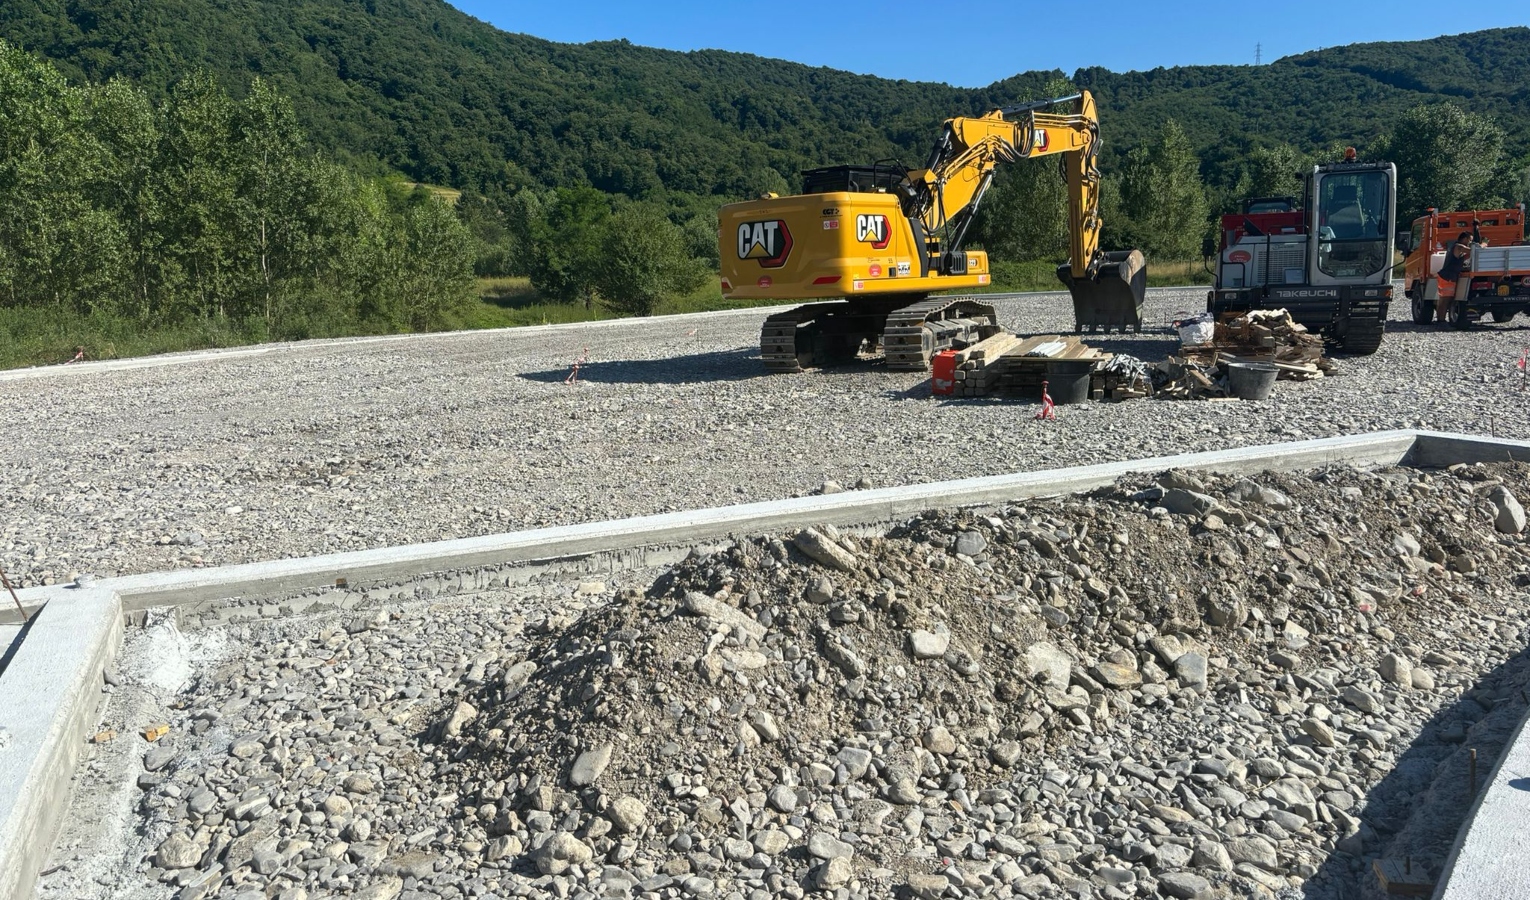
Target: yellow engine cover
[{"x": 842, "y": 244}]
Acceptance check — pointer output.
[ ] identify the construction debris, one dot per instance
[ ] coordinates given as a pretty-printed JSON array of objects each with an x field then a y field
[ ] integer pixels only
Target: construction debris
[{"x": 1266, "y": 336}]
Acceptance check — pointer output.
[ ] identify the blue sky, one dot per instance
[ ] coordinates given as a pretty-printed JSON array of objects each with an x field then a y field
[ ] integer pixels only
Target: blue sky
[{"x": 974, "y": 43}]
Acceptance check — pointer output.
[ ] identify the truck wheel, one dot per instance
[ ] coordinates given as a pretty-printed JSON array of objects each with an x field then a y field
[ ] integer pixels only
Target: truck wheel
[
  {"x": 1458, "y": 316},
  {"x": 1423, "y": 310}
]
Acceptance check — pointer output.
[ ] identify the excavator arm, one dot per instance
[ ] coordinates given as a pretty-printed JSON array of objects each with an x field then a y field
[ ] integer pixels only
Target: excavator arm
[
  {"x": 945, "y": 194},
  {"x": 1108, "y": 288}
]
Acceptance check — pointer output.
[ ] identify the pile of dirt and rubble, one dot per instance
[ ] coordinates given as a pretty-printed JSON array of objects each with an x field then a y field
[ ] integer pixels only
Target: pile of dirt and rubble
[{"x": 1163, "y": 686}]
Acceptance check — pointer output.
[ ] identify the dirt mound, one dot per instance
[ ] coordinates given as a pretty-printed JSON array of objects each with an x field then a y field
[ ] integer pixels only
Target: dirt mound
[{"x": 829, "y": 709}]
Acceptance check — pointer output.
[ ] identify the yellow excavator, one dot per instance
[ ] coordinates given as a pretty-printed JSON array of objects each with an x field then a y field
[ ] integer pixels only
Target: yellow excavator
[{"x": 877, "y": 241}]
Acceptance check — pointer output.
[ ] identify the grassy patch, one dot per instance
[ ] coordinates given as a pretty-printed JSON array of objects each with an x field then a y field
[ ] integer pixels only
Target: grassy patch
[{"x": 1041, "y": 275}]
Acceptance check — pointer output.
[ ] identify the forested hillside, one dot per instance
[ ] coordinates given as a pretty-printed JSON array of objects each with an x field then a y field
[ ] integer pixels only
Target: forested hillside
[{"x": 421, "y": 88}]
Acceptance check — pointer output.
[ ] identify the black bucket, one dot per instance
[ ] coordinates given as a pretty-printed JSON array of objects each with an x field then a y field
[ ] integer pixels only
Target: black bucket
[
  {"x": 1113, "y": 299},
  {"x": 1251, "y": 381},
  {"x": 1068, "y": 380}
]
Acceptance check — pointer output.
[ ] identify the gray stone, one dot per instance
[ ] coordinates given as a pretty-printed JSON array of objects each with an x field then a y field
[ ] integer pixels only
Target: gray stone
[
  {"x": 971, "y": 543},
  {"x": 1509, "y": 515},
  {"x": 771, "y": 841},
  {"x": 1396, "y": 670},
  {"x": 158, "y": 758},
  {"x": 821, "y": 591},
  {"x": 1211, "y": 855},
  {"x": 177, "y": 852},
  {"x": 856, "y": 760},
  {"x": 1187, "y": 503},
  {"x": 387, "y": 889},
  {"x": 927, "y": 887},
  {"x": 1190, "y": 669},
  {"x": 826, "y": 846},
  {"x": 824, "y": 550},
  {"x": 1423, "y": 679},
  {"x": 928, "y": 644},
  {"x": 1363, "y": 700},
  {"x": 560, "y": 851},
  {"x": 782, "y": 798},
  {"x": 1005, "y": 753},
  {"x": 336, "y": 806},
  {"x": 590, "y": 765},
  {"x": 938, "y": 739},
  {"x": 1406, "y": 545},
  {"x": 833, "y": 873},
  {"x": 1184, "y": 885},
  {"x": 1320, "y": 733},
  {"x": 626, "y": 815},
  {"x": 1044, "y": 662},
  {"x": 462, "y": 714},
  {"x": 1253, "y": 849},
  {"x": 1246, "y": 491}
]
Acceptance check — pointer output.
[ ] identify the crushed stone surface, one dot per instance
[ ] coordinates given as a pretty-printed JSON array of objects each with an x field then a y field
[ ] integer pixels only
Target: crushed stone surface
[{"x": 325, "y": 447}]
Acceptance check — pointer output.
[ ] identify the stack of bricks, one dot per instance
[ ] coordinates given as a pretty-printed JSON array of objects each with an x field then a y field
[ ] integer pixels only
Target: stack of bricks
[{"x": 979, "y": 367}]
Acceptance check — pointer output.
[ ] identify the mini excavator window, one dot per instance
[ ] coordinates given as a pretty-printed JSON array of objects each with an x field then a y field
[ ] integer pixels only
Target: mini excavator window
[{"x": 1352, "y": 223}]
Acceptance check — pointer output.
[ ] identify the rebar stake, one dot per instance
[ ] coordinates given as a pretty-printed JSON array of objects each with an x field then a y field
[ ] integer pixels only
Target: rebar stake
[
  {"x": 1474, "y": 772},
  {"x": 19, "y": 608}
]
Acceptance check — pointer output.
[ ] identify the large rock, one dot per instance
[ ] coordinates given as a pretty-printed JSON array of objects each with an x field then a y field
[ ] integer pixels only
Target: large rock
[
  {"x": 1397, "y": 670},
  {"x": 589, "y": 766},
  {"x": 1187, "y": 503},
  {"x": 833, "y": 874},
  {"x": 1185, "y": 885},
  {"x": 626, "y": 814},
  {"x": 1509, "y": 516},
  {"x": 1246, "y": 491},
  {"x": 1363, "y": 700},
  {"x": 1190, "y": 669},
  {"x": 1255, "y": 850},
  {"x": 177, "y": 852},
  {"x": 928, "y": 644},
  {"x": 826, "y": 846},
  {"x": 1049, "y": 665},
  {"x": 971, "y": 543},
  {"x": 821, "y": 549},
  {"x": 461, "y": 715},
  {"x": 699, "y": 604},
  {"x": 559, "y": 852},
  {"x": 1118, "y": 671}
]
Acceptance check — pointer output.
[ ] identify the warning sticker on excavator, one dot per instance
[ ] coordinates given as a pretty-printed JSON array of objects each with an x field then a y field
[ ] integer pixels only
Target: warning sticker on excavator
[
  {"x": 874, "y": 271},
  {"x": 903, "y": 269},
  {"x": 830, "y": 224},
  {"x": 858, "y": 285}
]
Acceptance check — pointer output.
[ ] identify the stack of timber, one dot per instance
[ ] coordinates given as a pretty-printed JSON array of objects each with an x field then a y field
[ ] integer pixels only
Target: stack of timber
[
  {"x": 1010, "y": 364},
  {"x": 1263, "y": 335}
]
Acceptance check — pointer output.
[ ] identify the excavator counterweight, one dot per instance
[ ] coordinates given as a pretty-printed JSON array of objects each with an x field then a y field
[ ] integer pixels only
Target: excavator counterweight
[{"x": 875, "y": 242}]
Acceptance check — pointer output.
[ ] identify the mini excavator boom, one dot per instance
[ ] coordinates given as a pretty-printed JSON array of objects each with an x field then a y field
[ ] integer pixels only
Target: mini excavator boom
[{"x": 878, "y": 241}]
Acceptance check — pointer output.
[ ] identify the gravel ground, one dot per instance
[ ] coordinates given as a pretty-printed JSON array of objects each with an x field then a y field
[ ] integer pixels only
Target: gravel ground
[
  {"x": 314, "y": 449},
  {"x": 1190, "y": 686}
]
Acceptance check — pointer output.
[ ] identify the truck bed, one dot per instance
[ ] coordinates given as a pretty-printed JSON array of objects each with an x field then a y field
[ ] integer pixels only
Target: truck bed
[{"x": 1509, "y": 259}]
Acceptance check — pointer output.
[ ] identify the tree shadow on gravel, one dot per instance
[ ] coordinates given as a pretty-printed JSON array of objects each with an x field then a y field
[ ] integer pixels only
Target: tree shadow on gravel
[
  {"x": 1406, "y": 326},
  {"x": 723, "y": 365},
  {"x": 1416, "y": 811}
]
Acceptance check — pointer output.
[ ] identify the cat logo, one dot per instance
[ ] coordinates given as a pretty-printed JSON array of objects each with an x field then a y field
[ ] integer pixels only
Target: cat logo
[
  {"x": 872, "y": 230},
  {"x": 1039, "y": 141},
  {"x": 769, "y": 242}
]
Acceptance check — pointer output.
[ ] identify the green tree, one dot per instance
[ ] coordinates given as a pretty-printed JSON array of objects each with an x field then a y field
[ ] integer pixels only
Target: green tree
[
  {"x": 1446, "y": 157},
  {"x": 565, "y": 258},
  {"x": 1162, "y": 201},
  {"x": 644, "y": 262},
  {"x": 1272, "y": 171}
]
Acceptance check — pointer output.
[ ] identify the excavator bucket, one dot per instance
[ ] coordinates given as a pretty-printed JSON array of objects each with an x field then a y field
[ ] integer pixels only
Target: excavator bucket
[{"x": 1112, "y": 300}]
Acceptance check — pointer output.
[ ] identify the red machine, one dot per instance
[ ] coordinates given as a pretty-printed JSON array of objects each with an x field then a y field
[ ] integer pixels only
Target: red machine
[{"x": 1326, "y": 261}]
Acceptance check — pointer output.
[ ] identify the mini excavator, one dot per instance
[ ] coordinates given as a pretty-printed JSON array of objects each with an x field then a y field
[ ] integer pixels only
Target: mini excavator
[{"x": 876, "y": 242}]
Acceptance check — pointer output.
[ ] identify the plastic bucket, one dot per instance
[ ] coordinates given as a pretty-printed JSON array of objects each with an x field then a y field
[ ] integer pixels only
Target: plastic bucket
[
  {"x": 1068, "y": 380},
  {"x": 1251, "y": 381}
]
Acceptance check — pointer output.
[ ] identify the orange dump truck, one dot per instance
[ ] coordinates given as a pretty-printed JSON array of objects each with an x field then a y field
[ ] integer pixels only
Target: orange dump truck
[{"x": 1495, "y": 282}]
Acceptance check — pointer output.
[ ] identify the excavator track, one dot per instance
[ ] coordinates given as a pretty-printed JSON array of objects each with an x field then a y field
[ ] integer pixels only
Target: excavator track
[
  {"x": 915, "y": 333},
  {"x": 822, "y": 334}
]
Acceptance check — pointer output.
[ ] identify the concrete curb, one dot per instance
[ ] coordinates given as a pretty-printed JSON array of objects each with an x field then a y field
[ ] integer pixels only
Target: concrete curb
[
  {"x": 701, "y": 526},
  {"x": 1483, "y": 862},
  {"x": 50, "y": 698}
]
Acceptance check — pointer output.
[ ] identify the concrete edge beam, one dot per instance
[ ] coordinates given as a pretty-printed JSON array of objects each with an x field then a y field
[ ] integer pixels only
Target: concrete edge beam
[
  {"x": 850, "y": 508},
  {"x": 49, "y": 699}
]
